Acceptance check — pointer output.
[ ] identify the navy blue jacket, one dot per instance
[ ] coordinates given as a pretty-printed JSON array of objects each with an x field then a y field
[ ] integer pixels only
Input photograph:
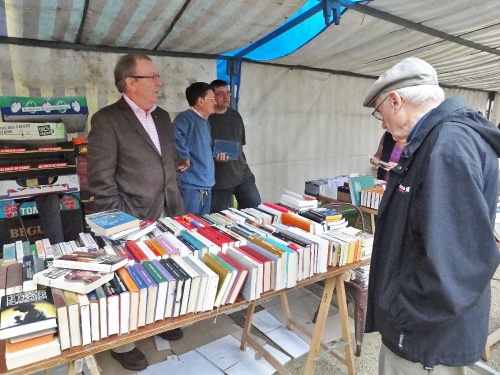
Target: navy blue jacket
[{"x": 434, "y": 252}]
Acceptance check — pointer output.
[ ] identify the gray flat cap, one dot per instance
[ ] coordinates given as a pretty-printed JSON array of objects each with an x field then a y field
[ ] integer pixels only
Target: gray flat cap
[{"x": 406, "y": 73}]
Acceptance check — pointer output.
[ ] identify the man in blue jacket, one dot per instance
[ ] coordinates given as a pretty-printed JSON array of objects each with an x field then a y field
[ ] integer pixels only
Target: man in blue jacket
[
  {"x": 434, "y": 252},
  {"x": 193, "y": 142}
]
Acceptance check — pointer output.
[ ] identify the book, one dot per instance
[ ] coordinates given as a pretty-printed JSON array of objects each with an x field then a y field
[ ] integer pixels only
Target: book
[
  {"x": 94, "y": 316},
  {"x": 62, "y": 317},
  {"x": 171, "y": 285},
  {"x": 251, "y": 289},
  {"x": 3, "y": 279},
  {"x": 78, "y": 281},
  {"x": 26, "y": 312},
  {"x": 12, "y": 347},
  {"x": 230, "y": 148},
  {"x": 177, "y": 291},
  {"x": 152, "y": 288},
  {"x": 240, "y": 278},
  {"x": 103, "y": 311},
  {"x": 134, "y": 297},
  {"x": 224, "y": 274},
  {"x": 33, "y": 354},
  {"x": 357, "y": 184},
  {"x": 113, "y": 308},
  {"x": 143, "y": 295},
  {"x": 162, "y": 282},
  {"x": 110, "y": 222},
  {"x": 195, "y": 283},
  {"x": 82, "y": 260},
  {"x": 124, "y": 296},
  {"x": 14, "y": 279},
  {"x": 186, "y": 287},
  {"x": 85, "y": 325}
]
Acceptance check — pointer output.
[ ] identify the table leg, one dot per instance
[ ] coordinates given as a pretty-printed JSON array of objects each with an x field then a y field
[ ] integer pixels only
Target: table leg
[
  {"x": 286, "y": 309},
  {"x": 344, "y": 324},
  {"x": 247, "y": 327},
  {"x": 320, "y": 324}
]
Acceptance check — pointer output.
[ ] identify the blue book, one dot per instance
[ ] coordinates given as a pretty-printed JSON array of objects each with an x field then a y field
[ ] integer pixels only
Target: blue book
[
  {"x": 230, "y": 148},
  {"x": 152, "y": 287},
  {"x": 143, "y": 294},
  {"x": 110, "y": 222}
]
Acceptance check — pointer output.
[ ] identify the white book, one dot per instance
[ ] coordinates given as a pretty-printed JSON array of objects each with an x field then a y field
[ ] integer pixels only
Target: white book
[
  {"x": 195, "y": 283},
  {"x": 33, "y": 354},
  {"x": 202, "y": 293},
  {"x": 234, "y": 216},
  {"x": 271, "y": 210},
  {"x": 73, "y": 318},
  {"x": 278, "y": 280},
  {"x": 124, "y": 294},
  {"x": 103, "y": 312},
  {"x": 19, "y": 251},
  {"x": 49, "y": 254},
  {"x": 171, "y": 225},
  {"x": 85, "y": 325},
  {"x": 146, "y": 250},
  {"x": 95, "y": 319},
  {"x": 212, "y": 283},
  {"x": 250, "y": 290},
  {"x": 321, "y": 258},
  {"x": 113, "y": 314}
]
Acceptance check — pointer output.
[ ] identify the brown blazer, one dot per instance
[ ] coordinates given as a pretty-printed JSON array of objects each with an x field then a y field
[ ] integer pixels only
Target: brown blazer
[{"x": 125, "y": 170}]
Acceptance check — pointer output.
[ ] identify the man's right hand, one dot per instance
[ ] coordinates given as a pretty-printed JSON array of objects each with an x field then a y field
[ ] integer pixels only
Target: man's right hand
[{"x": 183, "y": 165}]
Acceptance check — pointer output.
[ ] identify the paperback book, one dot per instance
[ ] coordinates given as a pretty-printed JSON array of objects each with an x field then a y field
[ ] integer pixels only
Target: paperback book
[
  {"x": 82, "y": 260},
  {"x": 110, "y": 222},
  {"x": 26, "y": 312},
  {"x": 78, "y": 281}
]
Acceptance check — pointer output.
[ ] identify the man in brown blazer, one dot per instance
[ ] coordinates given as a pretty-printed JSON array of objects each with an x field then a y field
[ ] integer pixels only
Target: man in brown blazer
[{"x": 131, "y": 161}]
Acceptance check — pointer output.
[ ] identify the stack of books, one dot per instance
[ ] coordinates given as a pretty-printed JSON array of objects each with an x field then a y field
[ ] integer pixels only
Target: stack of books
[{"x": 28, "y": 324}]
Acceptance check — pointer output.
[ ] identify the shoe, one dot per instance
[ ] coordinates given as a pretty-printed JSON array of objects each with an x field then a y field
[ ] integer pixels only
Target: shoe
[
  {"x": 172, "y": 335},
  {"x": 133, "y": 360}
]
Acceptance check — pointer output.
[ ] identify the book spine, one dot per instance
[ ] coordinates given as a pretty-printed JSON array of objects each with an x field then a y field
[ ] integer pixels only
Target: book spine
[{"x": 87, "y": 266}]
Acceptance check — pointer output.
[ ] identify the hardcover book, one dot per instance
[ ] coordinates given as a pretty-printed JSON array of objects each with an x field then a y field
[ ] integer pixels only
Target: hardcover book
[
  {"x": 110, "y": 222},
  {"x": 26, "y": 312},
  {"x": 78, "y": 281},
  {"x": 82, "y": 260}
]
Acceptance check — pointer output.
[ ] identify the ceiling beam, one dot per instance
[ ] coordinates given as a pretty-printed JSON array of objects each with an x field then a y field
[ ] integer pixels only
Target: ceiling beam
[
  {"x": 78, "y": 39},
  {"x": 416, "y": 26}
]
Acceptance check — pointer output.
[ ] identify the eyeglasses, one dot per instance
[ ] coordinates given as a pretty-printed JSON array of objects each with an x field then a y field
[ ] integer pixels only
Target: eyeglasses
[
  {"x": 223, "y": 93},
  {"x": 376, "y": 112},
  {"x": 153, "y": 77},
  {"x": 210, "y": 99}
]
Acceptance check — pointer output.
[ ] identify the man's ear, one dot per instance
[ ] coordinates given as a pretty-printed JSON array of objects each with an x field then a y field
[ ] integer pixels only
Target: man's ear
[
  {"x": 129, "y": 83},
  {"x": 396, "y": 100}
]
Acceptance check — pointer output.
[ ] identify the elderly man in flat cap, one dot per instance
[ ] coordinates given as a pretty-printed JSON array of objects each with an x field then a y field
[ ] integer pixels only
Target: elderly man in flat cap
[{"x": 434, "y": 252}]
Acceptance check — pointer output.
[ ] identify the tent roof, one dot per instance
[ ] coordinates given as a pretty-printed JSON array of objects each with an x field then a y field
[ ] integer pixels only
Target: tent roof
[{"x": 460, "y": 38}]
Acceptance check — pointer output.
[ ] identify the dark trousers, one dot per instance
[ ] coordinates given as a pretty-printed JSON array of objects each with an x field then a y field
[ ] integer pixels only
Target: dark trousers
[{"x": 247, "y": 195}]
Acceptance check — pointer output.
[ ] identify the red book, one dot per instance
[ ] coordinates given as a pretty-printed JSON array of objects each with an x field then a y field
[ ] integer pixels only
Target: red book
[
  {"x": 267, "y": 264},
  {"x": 216, "y": 237},
  {"x": 240, "y": 279},
  {"x": 122, "y": 251},
  {"x": 184, "y": 223},
  {"x": 275, "y": 206},
  {"x": 136, "y": 251},
  {"x": 153, "y": 249}
]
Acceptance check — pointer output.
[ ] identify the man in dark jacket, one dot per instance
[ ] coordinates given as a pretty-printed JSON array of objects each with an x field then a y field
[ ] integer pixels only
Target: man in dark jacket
[{"x": 434, "y": 252}]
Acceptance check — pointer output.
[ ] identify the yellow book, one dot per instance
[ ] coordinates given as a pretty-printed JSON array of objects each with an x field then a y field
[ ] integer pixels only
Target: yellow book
[
  {"x": 158, "y": 248},
  {"x": 225, "y": 276}
]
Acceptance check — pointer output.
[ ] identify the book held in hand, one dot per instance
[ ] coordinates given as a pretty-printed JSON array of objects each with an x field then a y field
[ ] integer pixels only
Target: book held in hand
[
  {"x": 110, "y": 222},
  {"x": 78, "y": 281},
  {"x": 230, "y": 148},
  {"x": 81, "y": 260},
  {"x": 26, "y": 312}
]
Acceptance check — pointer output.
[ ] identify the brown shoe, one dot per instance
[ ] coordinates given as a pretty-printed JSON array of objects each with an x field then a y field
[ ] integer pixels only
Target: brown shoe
[
  {"x": 133, "y": 360},
  {"x": 172, "y": 335}
]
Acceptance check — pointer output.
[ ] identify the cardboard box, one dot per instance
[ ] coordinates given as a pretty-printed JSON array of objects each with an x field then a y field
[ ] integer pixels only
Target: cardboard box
[
  {"x": 11, "y": 189},
  {"x": 72, "y": 111},
  {"x": 19, "y": 219}
]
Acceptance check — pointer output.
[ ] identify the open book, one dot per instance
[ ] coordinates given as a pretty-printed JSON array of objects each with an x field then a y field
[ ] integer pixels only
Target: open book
[{"x": 382, "y": 164}]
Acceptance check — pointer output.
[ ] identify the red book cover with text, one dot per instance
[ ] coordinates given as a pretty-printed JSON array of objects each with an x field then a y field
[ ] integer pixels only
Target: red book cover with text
[{"x": 136, "y": 251}]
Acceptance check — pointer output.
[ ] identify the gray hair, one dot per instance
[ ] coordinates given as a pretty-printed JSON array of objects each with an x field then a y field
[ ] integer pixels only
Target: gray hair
[
  {"x": 125, "y": 67},
  {"x": 418, "y": 95}
]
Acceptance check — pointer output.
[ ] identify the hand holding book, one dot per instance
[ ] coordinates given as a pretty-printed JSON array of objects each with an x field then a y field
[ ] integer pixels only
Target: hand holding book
[{"x": 381, "y": 164}]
